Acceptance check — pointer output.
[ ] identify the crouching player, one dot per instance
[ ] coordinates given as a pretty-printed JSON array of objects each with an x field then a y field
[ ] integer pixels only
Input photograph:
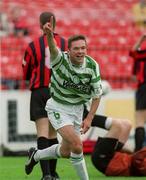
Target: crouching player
[{"x": 107, "y": 156}]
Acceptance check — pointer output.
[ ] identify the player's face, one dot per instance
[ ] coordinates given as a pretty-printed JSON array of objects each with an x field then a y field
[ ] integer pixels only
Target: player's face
[{"x": 77, "y": 52}]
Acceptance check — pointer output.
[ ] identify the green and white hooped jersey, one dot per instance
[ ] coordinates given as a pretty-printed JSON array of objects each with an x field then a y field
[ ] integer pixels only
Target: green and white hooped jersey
[{"x": 74, "y": 85}]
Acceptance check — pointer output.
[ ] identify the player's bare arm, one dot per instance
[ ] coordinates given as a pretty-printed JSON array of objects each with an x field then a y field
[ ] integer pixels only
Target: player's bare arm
[
  {"x": 48, "y": 29},
  {"x": 88, "y": 120}
]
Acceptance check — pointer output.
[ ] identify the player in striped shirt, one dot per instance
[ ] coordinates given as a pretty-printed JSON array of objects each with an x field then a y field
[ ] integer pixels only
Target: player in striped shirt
[{"x": 75, "y": 80}]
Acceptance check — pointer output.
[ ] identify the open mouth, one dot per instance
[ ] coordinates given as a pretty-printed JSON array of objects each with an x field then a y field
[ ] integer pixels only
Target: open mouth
[{"x": 80, "y": 56}]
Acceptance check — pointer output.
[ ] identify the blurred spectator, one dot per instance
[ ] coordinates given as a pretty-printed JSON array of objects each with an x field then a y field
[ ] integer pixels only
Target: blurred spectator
[
  {"x": 18, "y": 22},
  {"x": 139, "y": 11},
  {"x": 4, "y": 25},
  {"x": 10, "y": 84}
]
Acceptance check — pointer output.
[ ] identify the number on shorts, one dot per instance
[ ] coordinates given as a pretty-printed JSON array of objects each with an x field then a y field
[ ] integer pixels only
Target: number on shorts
[{"x": 56, "y": 115}]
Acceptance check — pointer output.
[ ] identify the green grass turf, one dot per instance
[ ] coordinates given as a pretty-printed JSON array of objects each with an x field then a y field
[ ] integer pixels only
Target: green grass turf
[{"x": 12, "y": 168}]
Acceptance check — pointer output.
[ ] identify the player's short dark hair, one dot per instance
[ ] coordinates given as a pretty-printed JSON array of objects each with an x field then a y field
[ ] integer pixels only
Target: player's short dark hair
[
  {"x": 45, "y": 17},
  {"x": 75, "y": 38}
]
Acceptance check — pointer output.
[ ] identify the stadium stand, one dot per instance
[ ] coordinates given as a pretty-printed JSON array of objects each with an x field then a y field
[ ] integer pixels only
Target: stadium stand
[{"x": 109, "y": 26}]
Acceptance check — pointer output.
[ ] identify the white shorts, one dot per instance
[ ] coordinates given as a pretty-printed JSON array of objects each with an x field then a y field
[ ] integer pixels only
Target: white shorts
[{"x": 61, "y": 115}]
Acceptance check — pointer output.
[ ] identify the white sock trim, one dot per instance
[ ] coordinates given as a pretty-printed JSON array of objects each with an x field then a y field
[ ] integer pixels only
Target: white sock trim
[
  {"x": 75, "y": 158},
  {"x": 108, "y": 123},
  {"x": 79, "y": 164},
  {"x": 58, "y": 151}
]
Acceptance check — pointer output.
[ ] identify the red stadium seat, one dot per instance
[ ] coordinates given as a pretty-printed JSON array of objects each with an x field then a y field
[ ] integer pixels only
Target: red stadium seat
[{"x": 107, "y": 24}]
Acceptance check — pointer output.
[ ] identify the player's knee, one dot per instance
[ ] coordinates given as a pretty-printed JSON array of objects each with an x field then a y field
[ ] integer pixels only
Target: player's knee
[
  {"x": 125, "y": 126},
  {"x": 122, "y": 125},
  {"x": 76, "y": 147},
  {"x": 116, "y": 125}
]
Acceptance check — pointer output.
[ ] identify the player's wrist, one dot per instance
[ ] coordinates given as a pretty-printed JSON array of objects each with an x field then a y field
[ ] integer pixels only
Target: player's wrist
[{"x": 90, "y": 115}]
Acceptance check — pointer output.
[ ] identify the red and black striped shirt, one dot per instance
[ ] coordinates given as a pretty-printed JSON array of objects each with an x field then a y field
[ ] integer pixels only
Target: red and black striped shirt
[
  {"x": 36, "y": 62},
  {"x": 139, "y": 67}
]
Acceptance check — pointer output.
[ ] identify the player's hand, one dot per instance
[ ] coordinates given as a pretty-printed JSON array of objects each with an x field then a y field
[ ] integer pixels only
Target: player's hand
[
  {"x": 48, "y": 27},
  {"x": 86, "y": 124}
]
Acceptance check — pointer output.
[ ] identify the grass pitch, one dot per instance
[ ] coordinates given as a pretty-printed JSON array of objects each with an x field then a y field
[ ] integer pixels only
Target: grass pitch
[{"x": 12, "y": 168}]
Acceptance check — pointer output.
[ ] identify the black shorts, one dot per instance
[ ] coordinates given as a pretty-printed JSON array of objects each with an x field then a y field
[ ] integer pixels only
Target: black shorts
[
  {"x": 141, "y": 98},
  {"x": 103, "y": 152},
  {"x": 38, "y": 101}
]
